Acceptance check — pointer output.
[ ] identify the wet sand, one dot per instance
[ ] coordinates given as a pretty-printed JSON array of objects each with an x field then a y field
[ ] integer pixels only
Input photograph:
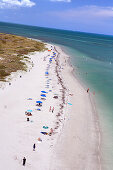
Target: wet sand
[{"x": 78, "y": 145}]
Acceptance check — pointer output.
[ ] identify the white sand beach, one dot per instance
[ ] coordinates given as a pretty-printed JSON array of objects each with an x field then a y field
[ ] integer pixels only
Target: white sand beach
[{"x": 74, "y": 143}]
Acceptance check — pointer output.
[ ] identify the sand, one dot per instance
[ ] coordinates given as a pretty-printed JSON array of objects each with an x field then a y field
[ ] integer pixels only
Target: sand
[
  {"x": 74, "y": 143},
  {"x": 78, "y": 145}
]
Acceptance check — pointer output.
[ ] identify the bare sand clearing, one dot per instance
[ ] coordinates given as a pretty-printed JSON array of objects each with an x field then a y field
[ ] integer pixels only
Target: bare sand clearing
[{"x": 74, "y": 142}]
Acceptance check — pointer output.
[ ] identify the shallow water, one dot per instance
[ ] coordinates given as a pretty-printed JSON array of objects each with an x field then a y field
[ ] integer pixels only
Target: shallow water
[
  {"x": 92, "y": 56},
  {"x": 97, "y": 76}
]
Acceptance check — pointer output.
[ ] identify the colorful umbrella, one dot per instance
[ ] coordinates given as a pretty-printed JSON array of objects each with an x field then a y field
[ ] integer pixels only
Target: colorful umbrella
[
  {"x": 38, "y": 102},
  {"x": 43, "y": 91},
  {"x": 43, "y": 95},
  {"x": 46, "y": 72},
  {"x": 29, "y": 110}
]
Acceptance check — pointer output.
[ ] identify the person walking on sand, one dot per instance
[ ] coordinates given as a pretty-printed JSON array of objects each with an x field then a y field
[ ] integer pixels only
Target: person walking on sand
[
  {"x": 51, "y": 132},
  {"x": 24, "y": 161},
  {"x": 50, "y": 109},
  {"x": 53, "y": 110},
  {"x": 87, "y": 90},
  {"x": 34, "y": 146}
]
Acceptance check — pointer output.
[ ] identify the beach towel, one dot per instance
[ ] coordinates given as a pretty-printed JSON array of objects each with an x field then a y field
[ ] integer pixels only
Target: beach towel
[
  {"x": 29, "y": 114},
  {"x": 45, "y": 127},
  {"x": 55, "y": 97},
  {"x": 69, "y": 103},
  {"x": 44, "y": 133}
]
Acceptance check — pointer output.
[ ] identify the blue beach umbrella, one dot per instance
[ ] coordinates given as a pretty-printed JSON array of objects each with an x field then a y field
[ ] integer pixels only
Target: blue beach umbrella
[
  {"x": 38, "y": 102},
  {"x": 43, "y": 91},
  {"x": 69, "y": 103},
  {"x": 39, "y": 109},
  {"x": 29, "y": 110},
  {"x": 43, "y": 95},
  {"x": 46, "y": 72},
  {"x": 29, "y": 99},
  {"x": 44, "y": 133}
]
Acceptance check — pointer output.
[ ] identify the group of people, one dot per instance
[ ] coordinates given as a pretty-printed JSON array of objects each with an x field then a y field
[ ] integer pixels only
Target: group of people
[
  {"x": 51, "y": 109},
  {"x": 34, "y": 145}
]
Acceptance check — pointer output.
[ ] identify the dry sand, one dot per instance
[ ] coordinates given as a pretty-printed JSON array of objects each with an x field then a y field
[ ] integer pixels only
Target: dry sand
[{"x": 75, "y": 139}]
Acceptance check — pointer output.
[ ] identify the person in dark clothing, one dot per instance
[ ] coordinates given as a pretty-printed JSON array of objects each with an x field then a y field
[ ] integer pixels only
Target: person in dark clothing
[
  {"x": 87, "y": 90},
  {"x": 24, "y": 161},
  {"x": 34, "y": 146},
  {"x": 53, "y": 110},
  {"x": 27, "y": 118}
]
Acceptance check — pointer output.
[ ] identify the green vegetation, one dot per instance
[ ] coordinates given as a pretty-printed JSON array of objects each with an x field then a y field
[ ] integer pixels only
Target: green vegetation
[{"x": 12, "y": 50}]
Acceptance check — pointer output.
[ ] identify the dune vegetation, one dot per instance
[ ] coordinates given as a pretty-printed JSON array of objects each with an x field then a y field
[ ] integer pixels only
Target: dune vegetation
[{"x": 12, "y": 53}]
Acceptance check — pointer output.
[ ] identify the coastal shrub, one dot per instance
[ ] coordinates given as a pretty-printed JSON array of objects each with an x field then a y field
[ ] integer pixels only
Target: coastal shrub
[
  {"x": 2, "y": 66},
  {"x": 3, "y": 73},
  {"x": 12, "y": 48},
  {"x": 3, "y": 41}
]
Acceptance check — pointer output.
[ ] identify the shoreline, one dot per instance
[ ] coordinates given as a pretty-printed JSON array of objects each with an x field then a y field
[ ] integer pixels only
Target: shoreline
[
  {"x": 95, "y": 116},
  {"x": 93, "y": 104},
  {"x": 94, "y": 110},
  {"x": 69, "y": 146}
]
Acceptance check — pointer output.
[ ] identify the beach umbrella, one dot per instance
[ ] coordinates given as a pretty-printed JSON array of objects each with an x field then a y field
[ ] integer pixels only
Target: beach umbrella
[
  {"x": 43, "y": 91},
  {"x": 69, "y": 103},
  {"x": 29, "y": 99},
  {"x": 38, "y": 102},
  {"x": 29, "y": 110},
  {"x": 44, "y": 133},
  {"x": 39, "y": 109},
  {"x": 46, "y": 72},
  {"x": 45, "y": 127},
  {"x": 43, "y": 95}
]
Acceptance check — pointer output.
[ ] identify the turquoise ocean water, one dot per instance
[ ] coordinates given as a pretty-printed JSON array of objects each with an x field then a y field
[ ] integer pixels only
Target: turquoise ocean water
[{"x": 92, "y": 56}]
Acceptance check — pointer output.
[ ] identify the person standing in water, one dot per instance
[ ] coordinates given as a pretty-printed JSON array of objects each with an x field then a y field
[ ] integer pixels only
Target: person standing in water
[{"x": 24, "y": 161}]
